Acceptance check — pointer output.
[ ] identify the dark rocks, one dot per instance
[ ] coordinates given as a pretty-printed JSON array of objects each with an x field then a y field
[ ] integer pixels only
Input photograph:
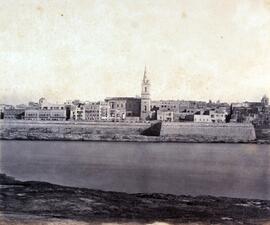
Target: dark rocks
[{"x": 54, "y": 201}]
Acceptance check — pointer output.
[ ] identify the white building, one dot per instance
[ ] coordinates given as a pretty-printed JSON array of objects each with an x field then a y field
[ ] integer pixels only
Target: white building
[
  {"x": 96, "y": 111},
  {"x": 167, "y": 116},
  {"x": 90, "y": 111},
  {"x": 218, "y": 116},
  {"x": 201, "y": 118},
  {"x": 46, "y": 112},
  {"x": 211, "y": 116},
  {"x": 103, "y": 111},
  {"x": 78, "y": 112}
]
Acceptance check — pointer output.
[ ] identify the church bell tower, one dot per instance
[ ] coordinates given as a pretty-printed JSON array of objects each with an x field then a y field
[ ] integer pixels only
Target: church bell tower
[{"x": 145, "y": 97}]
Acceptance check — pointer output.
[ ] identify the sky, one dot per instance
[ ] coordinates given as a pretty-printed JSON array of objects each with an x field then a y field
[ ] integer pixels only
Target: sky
[{"x": 89, "y": 50}]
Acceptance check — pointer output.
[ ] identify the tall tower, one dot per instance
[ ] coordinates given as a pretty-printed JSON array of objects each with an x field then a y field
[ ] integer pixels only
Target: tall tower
[{"x": 145, "y": 97}]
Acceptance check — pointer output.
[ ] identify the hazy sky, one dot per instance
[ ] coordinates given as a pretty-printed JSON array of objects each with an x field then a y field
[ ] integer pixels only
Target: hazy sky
[{"x": 83, "y": 49}]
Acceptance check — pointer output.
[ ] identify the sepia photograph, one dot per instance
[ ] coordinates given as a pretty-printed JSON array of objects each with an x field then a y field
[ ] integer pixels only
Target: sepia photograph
[{"x": 134, "y": 112}]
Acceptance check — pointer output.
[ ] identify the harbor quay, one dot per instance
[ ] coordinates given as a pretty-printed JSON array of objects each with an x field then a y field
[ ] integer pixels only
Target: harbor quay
[{"x": 154, "y": 131}]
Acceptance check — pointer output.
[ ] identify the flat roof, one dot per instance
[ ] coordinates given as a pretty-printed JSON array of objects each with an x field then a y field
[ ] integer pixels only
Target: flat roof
[{"x": 122, "y": 98}]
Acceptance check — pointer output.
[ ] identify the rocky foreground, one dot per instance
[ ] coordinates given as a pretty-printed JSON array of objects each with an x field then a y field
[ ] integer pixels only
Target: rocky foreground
[{"x": 43, "y": 203}]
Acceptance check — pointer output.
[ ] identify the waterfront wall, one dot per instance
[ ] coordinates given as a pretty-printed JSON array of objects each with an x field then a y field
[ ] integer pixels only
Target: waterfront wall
[
  {"x": 140, "y": 132},
  {"x": 263, "y": 135},
  {"x": 98, "y": 131},
  {"x": 205, "y": 132}
]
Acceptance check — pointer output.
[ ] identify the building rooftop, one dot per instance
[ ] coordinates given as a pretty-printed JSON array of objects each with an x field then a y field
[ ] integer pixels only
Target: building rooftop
[{"x": 122, "y": 98}]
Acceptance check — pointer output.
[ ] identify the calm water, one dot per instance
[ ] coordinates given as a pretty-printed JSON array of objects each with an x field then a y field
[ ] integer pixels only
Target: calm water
[{"x": 232, "y": 170}]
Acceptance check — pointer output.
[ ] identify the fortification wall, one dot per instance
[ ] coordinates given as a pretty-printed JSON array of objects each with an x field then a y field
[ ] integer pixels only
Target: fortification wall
[
  {"x": 109, "y": 131},
  {"x": 202, "y": 132},
  {"x": 263, "y": 135},
  {"x": 70, "y": 130}
]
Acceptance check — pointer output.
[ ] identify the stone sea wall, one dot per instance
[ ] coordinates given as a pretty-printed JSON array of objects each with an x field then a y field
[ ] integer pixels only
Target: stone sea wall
[
  {"x": 128, "y": 132},
  {"x": 263, "y": 135},
  {"x": 95, "y": 131},
  {"x": 202, "y": 132}
]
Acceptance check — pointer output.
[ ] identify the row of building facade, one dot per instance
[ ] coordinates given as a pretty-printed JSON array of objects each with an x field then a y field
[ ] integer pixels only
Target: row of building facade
[
  {"x": 132, "y": 109},
  {"x": 135, "y": 109}
]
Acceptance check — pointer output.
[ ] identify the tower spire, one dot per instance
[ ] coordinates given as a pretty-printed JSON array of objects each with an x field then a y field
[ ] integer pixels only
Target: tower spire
[
  {"x": 144, "y": 74},
  {"x": 145, "y": 97}
]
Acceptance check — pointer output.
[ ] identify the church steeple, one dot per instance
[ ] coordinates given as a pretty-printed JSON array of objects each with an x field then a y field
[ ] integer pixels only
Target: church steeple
[
  {"x": 144, "y": 74},
  {"x": 145, "y": 96},
  {"x": 145, "y": 79}
]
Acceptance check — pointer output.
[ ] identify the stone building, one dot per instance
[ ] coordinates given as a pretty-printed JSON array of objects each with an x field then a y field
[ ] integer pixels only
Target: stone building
[
  {"x": 167, "y": 116},
  {"x": 211, "y": 116},
  {"x": 123, "y": 108},
  {"x": 103, "y": 111},
  {"x": 69, "y": 107},
  {"x": 202, "y": 118},
  {"x": 91, "y": 111},
  {"x": 96, "y": 111},
  {"x": 257, "y": 113},
  {"x": 31, "y": 114},
  {"x": 183, "y": 111},
  {"x": 46, "y": 112},
  {"x": 218, "y": 115},
  {"x": 168, "y": 105},
  {"x": 244, "y": 114},
  {"x": 13, "y": 114},
  {"x": 78, "y": 112},
  {"x": 4, "y": 107}
]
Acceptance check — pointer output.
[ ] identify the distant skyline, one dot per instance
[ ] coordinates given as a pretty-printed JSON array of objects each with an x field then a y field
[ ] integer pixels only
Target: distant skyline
[{"x": 89, "y": 50}]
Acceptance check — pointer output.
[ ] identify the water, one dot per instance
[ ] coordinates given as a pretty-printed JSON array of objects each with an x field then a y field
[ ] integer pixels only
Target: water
[{"x": 233, "y": 170}]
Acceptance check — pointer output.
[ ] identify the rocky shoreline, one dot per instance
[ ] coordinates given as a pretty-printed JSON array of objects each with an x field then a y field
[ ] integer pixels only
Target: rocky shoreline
[
  {"x": 43, "y": 203},
  {"x": 130, "y": 138}
]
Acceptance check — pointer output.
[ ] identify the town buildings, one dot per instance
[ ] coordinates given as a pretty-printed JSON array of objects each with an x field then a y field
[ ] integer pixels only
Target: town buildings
[
  {"x": 141, "y": 109},
  {"x": 46, "y": 112},
  {"x": 96, "y": 111},
  {"x": 4, "y": 107},
  {"x": 257, "y": 113},
  {"x": 14, "y": 114}
]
